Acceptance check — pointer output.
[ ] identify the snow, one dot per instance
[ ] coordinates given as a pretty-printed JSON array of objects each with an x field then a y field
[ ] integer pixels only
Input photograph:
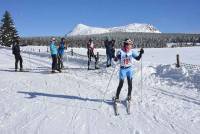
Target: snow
[
  {"x": 78, "y": 101},
  {"x": 82, "y": 29},
  {"x": 182, "y": 44}
]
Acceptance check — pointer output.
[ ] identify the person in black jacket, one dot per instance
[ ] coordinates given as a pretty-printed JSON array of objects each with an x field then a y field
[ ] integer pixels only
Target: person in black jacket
[
  {"x": 108, "y": 46},
  {"x": 113, "y": 48},
  {"x": 18, "y": 57}
]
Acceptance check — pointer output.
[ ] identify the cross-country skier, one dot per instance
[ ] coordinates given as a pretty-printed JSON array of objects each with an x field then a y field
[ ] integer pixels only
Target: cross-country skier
[
  {"x": 18, "y": 57},
  {"x": 90, "y": 47},
  {"x": 90, "y": 53},
  {"x": 54, "y": 53},
  {"x": 126, "y": 56},
  {"x": 61, "y": 49}
]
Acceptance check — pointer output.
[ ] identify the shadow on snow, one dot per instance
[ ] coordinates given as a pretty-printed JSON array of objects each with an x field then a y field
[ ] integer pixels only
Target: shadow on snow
[{"x": 70, "y": 97}]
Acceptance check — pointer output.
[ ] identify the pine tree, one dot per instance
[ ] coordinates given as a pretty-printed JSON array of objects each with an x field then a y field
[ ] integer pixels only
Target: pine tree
[{"x": 8, "y": 31}]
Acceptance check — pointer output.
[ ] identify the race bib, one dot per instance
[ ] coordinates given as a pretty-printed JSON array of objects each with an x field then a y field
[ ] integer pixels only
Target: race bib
[
  {"x": 126, "y": 58},
  {"x": 126, "y": 61}
]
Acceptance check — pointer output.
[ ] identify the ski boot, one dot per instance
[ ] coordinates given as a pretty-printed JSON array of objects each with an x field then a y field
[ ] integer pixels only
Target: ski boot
[
  {"x": 116, "y": 99},
  {"x": 128, "y": 98},
  {"x": 59, "y": 70},
  {"x": 96, "y": 67},
  {"x": 108, "y": 65},
  {"x": 53, "y": 71}
]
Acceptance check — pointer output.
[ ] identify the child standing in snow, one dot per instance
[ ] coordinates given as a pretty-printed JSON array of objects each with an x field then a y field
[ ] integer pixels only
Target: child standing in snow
[{"x": 126, "y": 56}]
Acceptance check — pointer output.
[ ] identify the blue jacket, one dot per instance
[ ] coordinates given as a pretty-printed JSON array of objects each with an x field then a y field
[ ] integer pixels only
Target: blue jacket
[
  {"x": 53, "y": 49},
  {"x": 61, "y": 49}
]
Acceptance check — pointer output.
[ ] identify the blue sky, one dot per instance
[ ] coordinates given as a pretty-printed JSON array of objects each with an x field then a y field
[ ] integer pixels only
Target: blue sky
[{"x": 58, "y": 17}]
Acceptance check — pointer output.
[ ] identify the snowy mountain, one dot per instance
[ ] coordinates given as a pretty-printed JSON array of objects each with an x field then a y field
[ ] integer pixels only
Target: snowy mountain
[{"x": 82, "y": 29}]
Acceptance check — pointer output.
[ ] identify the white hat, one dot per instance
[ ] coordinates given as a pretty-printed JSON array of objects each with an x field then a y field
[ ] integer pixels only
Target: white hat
[{"x": 53, "y": 39}]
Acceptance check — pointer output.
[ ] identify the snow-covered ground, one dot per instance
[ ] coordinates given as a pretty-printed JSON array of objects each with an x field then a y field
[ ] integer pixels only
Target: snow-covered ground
[{"x": 78, "y": 101}]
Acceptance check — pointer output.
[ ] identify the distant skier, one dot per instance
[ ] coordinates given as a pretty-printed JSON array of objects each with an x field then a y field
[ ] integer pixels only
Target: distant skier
[
  {"x": 113, "y": 48},
  {"x": 61, "y": 49},
  {"x": 54, "y": 53},
  {"x": 90, "y": 47},
  {"x": 126, "y": 56},
  {"x": 108, "y": 46},
  {"x": 18, "y": 57},
  {"x": 90, "y": 53}
]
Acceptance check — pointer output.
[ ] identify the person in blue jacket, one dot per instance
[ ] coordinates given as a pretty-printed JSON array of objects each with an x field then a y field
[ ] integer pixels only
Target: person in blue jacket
[
  {"x": 61, "y": 50},
  {"x": 126, "y": 56},
  {"x": 54, "y": 53}
]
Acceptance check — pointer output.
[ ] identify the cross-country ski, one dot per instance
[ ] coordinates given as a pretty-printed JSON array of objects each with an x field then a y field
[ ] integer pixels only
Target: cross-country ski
[{"x": 128, "y": 106}]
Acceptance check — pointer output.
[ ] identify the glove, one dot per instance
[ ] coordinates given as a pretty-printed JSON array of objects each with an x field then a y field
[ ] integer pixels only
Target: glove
[
  {"x": 141, "y": 51},
  {"x": 115, "y": 59}
]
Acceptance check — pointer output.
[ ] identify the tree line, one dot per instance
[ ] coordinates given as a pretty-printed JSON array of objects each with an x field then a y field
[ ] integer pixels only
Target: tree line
[{"x": 147, "y": 40}]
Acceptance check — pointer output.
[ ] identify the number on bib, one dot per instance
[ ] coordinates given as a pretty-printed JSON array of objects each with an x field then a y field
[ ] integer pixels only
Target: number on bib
[{"x": 126, "y": 61}]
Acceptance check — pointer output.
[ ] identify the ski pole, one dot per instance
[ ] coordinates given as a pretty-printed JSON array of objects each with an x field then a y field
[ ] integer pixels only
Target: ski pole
[
  {"x": 30, "y": 60},
  {"x": 141, "y": 81},
  {"x": 109, "y": 83},
  {"x": 67, "y": 59}
]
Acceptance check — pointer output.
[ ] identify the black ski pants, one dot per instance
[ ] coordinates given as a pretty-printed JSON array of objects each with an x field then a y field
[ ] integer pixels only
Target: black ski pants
[
  {"x": 54, "y": 62},
  {"x": 18, "y": 58},
  {"x": 121, "y": 82},
  {"x": 60, "y": 61},
  {"x": 90, "y": 54}
]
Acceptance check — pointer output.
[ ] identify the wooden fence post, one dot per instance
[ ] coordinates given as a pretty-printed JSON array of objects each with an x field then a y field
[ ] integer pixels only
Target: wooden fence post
[
  {"x": 97, "y": 55},
  {"x": 177, "y": 61},
  {"x": 72, "y": 53}
]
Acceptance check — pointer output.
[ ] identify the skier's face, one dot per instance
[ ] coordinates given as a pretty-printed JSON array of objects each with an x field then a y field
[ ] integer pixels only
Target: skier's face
[
  {"x": 127, "y": 47},
  {"x": 53, "y": 41}
]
